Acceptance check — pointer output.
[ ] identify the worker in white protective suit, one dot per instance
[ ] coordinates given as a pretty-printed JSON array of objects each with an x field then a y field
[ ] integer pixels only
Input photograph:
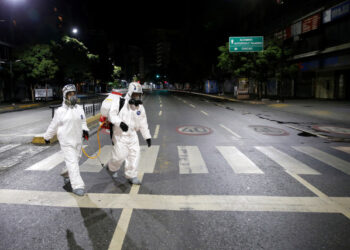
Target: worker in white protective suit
[
  {"x": 69, "y": 123},
  {"x": 126, "y": 122}
]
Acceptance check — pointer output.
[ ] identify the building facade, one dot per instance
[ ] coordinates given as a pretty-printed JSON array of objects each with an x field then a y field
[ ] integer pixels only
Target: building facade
[{"x": 320, "y": 42}]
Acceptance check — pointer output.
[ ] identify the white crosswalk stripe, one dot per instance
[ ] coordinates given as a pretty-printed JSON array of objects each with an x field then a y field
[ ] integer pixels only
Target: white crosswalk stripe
[
  {"x": 287, "y": 162},
  {"x": 344, "y": 149},
  {"x": 148, "y": 158},
  {"x": 8, "y": 147},
  {"x": 191, "y": 161},
  {"x": 48, "y": 163},
  {"x": 324, "y": 157},
  {"x": 94, "y": 165},
  {"x": 25, "y": 153},
  {"x": 147, "y": 162},
  {"x": 239, "y": 162}
]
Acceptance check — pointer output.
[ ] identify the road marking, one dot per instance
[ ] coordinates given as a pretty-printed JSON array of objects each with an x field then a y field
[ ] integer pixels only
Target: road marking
[
  {"x": 120, "y": 231},
  {"x": 94, "y": 165},
  {"x": 21, "y": 135},
  {"x": 287, "y": 162},
  {"x": 148, "y": 158},
  {"x": 25, "y": 153},
  {"x": 160, "y": 113},
  {"x": 184, "y": 101},
  {"x": 239, "y": 162},
  {"x": 229, "y": 130},
  {"x": 337, "y": 206},
  {"x": 191, "y": 161},
  {"x": 161, "y": 105},
  {"x": 343, "y": 201},
  {"x": 192, "y": 106},
  {"x": 124, "y": 220},
  {"x": 203, "y": 112},
  {"x": 155, "y": 136},
  {"x": 344, "y": 149},
  {"x": 279, "y": 105},
  {"x": 48, "y": 163},
  {"x": 8, "y": 147},
  {"x": 330, "y": 160},
  {"x": 169, "y": 202}
]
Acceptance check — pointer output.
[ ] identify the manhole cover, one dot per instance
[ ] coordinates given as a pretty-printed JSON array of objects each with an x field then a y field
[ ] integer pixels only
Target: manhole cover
[
  {"x": 193, "y": 130},
  {"x": 265, "y": 130},
  {"x": 332, "y": 129}
]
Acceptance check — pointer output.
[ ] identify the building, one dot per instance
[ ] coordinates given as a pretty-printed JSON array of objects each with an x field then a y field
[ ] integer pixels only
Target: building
[{"x": 320, "y": 41}]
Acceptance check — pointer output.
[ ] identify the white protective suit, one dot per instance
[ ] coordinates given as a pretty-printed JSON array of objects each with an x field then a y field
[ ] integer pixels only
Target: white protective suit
[
  {"x": 126, "y": 144},
  {"x": 68, "y": 123}
]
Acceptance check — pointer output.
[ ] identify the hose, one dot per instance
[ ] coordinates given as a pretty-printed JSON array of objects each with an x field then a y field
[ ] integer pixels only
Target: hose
[{"x": 99, "y": 144}]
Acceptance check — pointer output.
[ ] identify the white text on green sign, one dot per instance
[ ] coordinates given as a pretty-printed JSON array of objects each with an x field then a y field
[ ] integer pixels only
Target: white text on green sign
[{"x": 246, "y": 44}]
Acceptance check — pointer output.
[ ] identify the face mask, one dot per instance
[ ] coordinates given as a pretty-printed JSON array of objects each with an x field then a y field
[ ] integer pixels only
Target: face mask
[
  {"x": 71, "y": 101},
  {"x": 135, "y": 102}
]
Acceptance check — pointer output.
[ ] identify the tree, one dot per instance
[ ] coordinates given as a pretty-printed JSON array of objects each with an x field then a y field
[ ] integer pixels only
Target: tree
[
  {"x": 116, "y": 72},
  {"x": 36, "y": 63},
  {"x": 74, "y": 59},
  {"x": 270, "y": 63}
]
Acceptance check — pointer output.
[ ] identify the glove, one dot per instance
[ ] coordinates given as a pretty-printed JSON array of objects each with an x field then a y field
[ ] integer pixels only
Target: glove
[
  {"x": 124, "y": 127},
  {"x": 47, "y": 141},
  {"x": 149, "y": 142},
  {"x": 86, "y": 134}
]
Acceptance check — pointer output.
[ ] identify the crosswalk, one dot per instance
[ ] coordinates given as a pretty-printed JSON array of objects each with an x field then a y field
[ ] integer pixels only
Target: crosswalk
[{"x": 192, "y": 161}]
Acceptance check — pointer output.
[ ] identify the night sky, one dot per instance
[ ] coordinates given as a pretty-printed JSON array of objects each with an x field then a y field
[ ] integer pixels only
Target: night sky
[{"x": 194, "y": 29}]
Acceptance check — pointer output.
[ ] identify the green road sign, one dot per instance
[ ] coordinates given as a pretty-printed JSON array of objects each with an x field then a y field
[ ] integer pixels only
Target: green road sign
[{"x": 246, "y": 44}]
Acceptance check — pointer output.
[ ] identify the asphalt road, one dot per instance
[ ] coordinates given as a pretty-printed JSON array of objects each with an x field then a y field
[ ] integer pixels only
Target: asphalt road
[{"x": 219, "y": 175}]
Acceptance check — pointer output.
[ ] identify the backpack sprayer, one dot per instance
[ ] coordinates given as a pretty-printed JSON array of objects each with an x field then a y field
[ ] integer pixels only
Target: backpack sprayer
[{"x": 106, "y": 104}]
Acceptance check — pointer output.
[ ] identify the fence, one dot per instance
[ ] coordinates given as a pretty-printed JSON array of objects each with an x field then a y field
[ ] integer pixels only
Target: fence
[{"x": 91, "y": 107}]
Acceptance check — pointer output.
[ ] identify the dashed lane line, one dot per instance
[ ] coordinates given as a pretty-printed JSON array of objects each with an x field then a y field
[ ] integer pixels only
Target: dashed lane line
[
  {"x": 229, "y": 130},
  {"x": 160, "y": 113},
  {"x": 156, "y": 132},
  {"x": 205, "y": 113}
]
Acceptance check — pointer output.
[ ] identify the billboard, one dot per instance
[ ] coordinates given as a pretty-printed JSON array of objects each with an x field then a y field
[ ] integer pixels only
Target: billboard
[
  {"x": 336, "y": 12},
  {"x": 311, "y": 23}
]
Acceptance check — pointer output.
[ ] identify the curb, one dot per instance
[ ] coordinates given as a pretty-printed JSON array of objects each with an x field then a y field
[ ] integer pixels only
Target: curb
[
  {"x": 91, "y": 121},
  {"x": 25, "y": 106},
  {"x": 218, "y": 97}
]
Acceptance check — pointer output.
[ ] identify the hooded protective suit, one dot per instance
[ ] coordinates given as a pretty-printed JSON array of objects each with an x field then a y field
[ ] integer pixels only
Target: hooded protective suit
[
  {"x": 126, "y": 144},
  {"x": 68, "y": 123}
]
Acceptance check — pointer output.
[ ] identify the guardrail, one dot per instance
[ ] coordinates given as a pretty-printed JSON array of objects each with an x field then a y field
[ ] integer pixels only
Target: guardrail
[{"x": 91, "y": 107}]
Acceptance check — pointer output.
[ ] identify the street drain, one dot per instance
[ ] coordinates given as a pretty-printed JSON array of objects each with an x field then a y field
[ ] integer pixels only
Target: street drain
[{"x": 305, "y": 134}]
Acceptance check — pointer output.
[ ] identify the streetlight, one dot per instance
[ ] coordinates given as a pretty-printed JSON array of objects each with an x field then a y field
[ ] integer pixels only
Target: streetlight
[
  {"x": 75, "y": 31},
  {"x": 15, "y": 1}
]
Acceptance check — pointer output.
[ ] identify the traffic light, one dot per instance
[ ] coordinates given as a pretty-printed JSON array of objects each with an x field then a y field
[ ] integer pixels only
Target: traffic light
[{"x": 157, "y": 76}]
